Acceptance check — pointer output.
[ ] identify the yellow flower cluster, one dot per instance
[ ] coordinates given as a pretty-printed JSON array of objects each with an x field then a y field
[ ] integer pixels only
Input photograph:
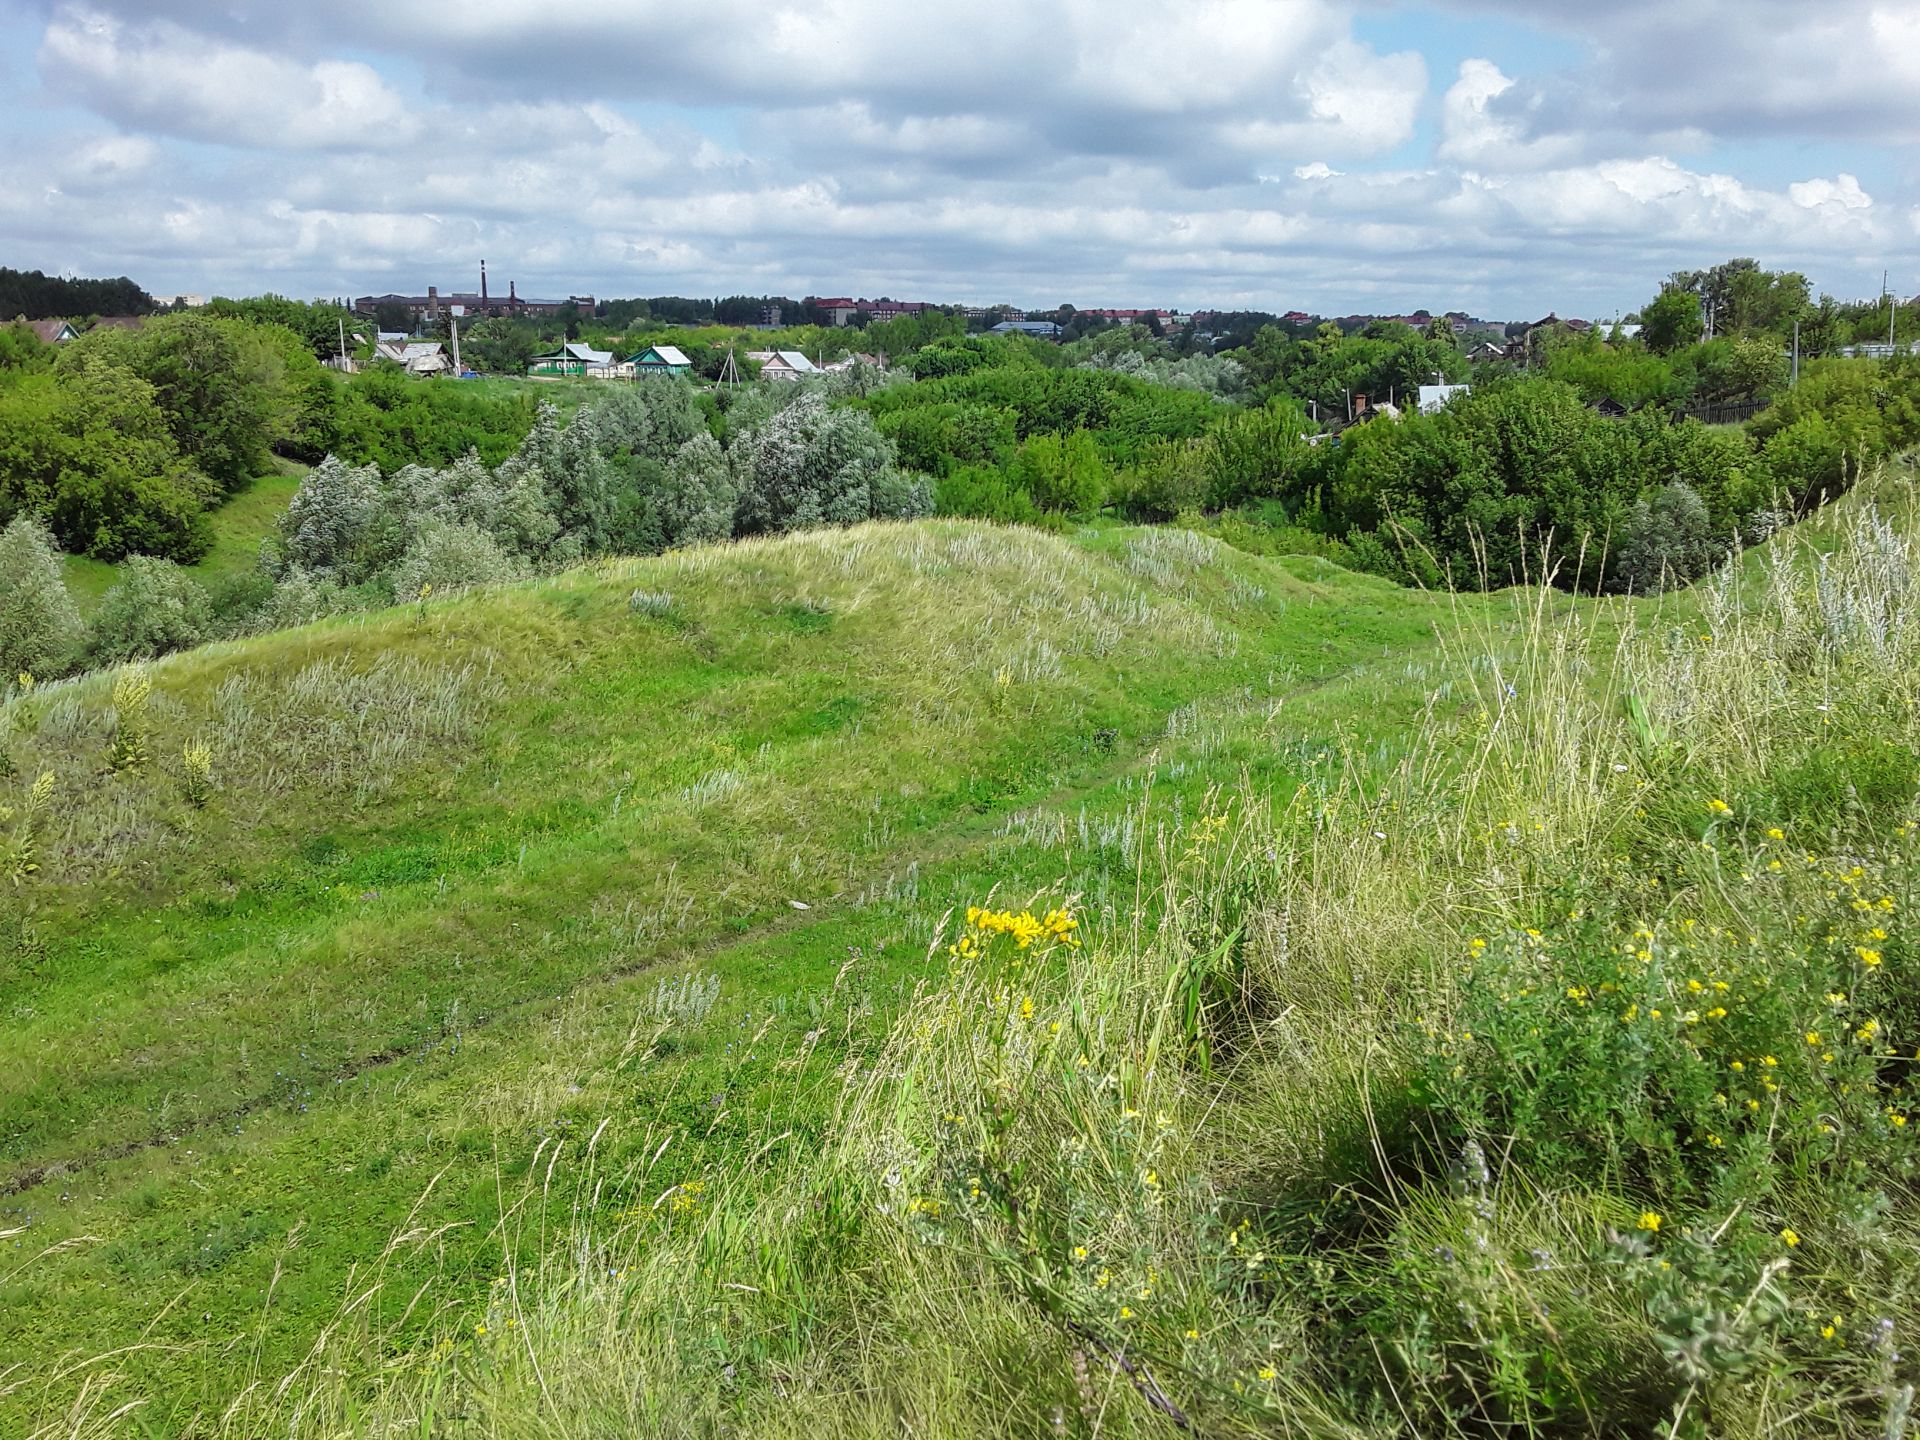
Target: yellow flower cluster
[{"x": 1056, "y": 927}]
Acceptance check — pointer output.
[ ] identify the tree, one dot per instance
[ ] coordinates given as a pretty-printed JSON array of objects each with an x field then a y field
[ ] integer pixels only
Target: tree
[
  {"x": 332, "y": 518},
  {"x": 1671, "y": 321},
  {"x": 87, "y": 452},
  {"x": 394, "y": 318},
  {"x": 220, "y": 383},
  {"x": 36, "y": 296},
  {"x": 40, "y": 629},
  {"x": 696, "y": 498},
  {"x": 810, "y": 465},
  {"x": 22, "y": 351},
  {"x": 1743, "y": 299}
]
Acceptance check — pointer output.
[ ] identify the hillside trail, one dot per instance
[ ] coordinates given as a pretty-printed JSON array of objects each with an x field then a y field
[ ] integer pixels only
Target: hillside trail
[{"x": 952, "y": 841}]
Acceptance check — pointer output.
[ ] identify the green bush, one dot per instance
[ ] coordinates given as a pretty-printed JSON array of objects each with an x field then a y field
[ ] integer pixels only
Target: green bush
[
  {"x": 40, "y": 630},
  {"x": 447, "y": 557},
  {"x": 1809, "y": 461},
  {"x": 985, "y": 494},
  {"x": 1668, "y": 541},
  {"x": 1063, "y": 473},
  {"x": 155, "y": 609}
]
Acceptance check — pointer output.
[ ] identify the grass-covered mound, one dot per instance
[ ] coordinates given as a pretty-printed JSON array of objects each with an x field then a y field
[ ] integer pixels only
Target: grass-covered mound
[
  {"x": 327, "y": 937},
  {"x": 1534, "y": 1059}
]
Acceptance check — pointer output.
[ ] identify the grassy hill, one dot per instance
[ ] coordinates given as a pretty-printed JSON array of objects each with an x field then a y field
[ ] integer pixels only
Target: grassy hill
[
  {"x": 439, "y": 833},
  {"x": 609, "y": 1005}
]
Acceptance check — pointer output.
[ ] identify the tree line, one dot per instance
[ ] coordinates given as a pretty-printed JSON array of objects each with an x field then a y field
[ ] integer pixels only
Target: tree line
[{"x": 30, "y": 295}]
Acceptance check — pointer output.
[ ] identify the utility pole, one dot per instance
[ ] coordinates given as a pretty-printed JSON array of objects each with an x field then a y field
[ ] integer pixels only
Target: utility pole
[
  {"x": 1893, "y": 307},
  {"x": 453, "y": 322},
  {"x": 342, "y": 320}
]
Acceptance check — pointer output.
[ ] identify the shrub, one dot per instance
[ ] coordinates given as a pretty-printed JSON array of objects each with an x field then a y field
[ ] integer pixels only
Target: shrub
[
  {"x": 450, "y": 557},
  {"x": 155, "y": 609},
  {"x": 810, "y": 465},
  {"x": 985, "y": 494},
  {"x": 1063, "y": 473},
  {"x": 1668, "y": 541},
  {"x": 299, "y": 598},
  {"x": 40, "y": 630},
  {"x": 1809, "y": 461}
]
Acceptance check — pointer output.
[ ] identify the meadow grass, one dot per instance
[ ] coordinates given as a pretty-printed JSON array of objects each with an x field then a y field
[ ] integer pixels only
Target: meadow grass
[
  {"x": 1458, "y": 1017},
  {"x": 239, "y": 527},
  {"x": 251, "y": 1027}
]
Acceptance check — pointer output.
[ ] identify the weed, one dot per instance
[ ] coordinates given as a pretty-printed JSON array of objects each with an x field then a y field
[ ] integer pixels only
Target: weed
[{"x": 132, "y": 689}]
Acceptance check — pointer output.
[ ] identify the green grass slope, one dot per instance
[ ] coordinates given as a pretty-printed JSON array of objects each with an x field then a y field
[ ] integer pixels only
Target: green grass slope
[
  {"x": 239, "y": 526},
  {"x": 462, "y": 862},
  {"x": 943, "y": 980}
]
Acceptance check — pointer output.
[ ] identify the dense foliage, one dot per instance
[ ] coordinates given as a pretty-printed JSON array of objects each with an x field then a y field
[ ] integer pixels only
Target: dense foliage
[{"x": 35, "y": 296}]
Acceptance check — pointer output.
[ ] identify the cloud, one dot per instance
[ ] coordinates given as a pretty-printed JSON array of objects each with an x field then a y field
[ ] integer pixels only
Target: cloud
[
  {"x": 1125, "y": 152},
  {"x": 167, "y": 80}
]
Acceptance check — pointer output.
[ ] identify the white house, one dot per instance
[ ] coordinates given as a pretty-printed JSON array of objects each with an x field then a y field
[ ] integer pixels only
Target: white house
[
  {"x": 1434, "y": 398},
  {"x": 786, "y": 365}
]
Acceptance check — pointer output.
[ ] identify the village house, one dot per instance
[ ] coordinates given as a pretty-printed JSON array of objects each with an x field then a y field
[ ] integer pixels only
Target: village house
[
  {"x": 574, "y": 358},
  {"x": 51, "y": 332},
  {"x": 660, "y": 360},
  {"x": 783, "y": 365}
]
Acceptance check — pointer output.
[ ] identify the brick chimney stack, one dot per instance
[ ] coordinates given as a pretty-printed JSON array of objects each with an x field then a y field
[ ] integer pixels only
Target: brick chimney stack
[{"x": 483, "y": 284}]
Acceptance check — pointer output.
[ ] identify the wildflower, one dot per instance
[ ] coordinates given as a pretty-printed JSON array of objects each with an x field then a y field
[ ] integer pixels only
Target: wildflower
[
  {"x": 1787, "y": 1234},
  {"x": 1813, "y": 1037},
  {"x": 1126, "y": 1312},
  {"x": 1776, "y": 833},
  {"x": 1079, "y": 1252},
  {"x": 1150, "y": 1178},
  {"x": 1650, "y": 1221},
  {"x": 1192, "y": 1334},
  {"x": 1868, "y": 958},
  {"x": 1896, "y": 1119},
  {"x": 1267, "y": 1372},
  {"x": 1719, "y": 807}
]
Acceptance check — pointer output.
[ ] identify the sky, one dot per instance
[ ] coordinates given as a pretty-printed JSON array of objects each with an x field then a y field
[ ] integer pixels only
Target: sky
[{"x": 1504, "y": 157}]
